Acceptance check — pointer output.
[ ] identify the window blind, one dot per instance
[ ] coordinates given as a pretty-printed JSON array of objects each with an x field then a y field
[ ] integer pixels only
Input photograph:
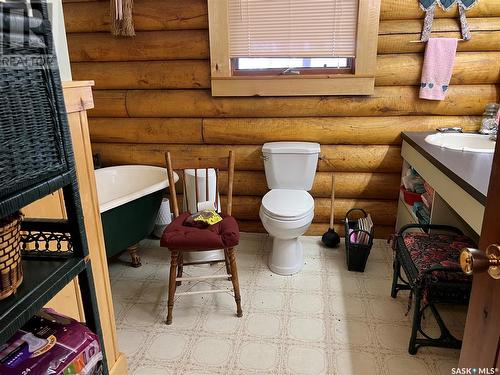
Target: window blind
[{"x": 292, "y": 28}]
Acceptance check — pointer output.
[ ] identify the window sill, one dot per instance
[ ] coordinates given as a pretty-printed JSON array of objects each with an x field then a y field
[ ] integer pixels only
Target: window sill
[{"x": 292, "y": 85}]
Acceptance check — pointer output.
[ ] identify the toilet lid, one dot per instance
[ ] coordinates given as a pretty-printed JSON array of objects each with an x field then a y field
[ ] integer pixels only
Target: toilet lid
[{"x": 286, "y": 204}]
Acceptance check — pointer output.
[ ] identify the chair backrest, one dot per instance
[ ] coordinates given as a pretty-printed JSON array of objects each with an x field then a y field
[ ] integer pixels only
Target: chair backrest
[{"x": 180, "y": 164}]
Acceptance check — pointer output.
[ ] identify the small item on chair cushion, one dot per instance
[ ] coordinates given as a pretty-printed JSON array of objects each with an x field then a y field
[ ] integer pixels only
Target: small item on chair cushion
[
  {"x": 221, "y": 235},
  {"x": 203, "y": 219}
]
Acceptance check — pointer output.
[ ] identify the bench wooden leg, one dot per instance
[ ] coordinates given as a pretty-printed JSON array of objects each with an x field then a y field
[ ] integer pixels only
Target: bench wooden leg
[
  {"x": 395, "y": 277},
  {"x": 417, "y": 320}
]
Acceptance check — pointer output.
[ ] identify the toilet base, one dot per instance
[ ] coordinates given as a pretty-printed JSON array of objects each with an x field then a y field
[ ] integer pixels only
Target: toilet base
[{"x": 287, "y": 256}]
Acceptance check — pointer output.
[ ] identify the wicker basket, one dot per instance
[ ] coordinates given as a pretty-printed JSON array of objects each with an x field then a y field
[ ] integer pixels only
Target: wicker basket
[{"x": 11, "y": 272}]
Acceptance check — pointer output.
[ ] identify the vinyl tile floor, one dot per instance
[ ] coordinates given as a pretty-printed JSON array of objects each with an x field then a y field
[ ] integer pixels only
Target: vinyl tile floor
[{"x": 323, "y": 320}]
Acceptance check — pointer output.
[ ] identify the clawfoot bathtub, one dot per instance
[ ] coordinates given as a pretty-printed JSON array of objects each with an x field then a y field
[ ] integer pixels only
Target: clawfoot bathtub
[{"x": 129, "y": 200}]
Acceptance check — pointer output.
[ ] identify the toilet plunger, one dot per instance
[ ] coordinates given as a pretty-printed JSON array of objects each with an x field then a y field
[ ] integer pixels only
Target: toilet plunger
[{"x": 331, "y": 238}]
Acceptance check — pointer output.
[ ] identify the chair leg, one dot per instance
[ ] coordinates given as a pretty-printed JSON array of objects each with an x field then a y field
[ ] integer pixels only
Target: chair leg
[
  {"x": 180, "y": 266},
  {"x": 172, "y": 285},
  {"x": 234, "y": 279},
  {"x": 395, "y": 277},
  {"x": 417, "y": 321},
  {"x": 228, "y": 266}
]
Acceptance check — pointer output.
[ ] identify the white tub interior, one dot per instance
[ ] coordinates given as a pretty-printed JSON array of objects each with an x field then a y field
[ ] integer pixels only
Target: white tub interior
[{"x": 122, "y": 184}]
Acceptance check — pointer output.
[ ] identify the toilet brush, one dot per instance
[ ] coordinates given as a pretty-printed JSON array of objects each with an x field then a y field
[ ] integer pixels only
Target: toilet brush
[{"x": 331, "y": 238}]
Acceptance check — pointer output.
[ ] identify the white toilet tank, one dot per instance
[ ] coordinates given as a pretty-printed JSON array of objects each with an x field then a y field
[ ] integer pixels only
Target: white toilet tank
[{"x": 290, "y": 165}]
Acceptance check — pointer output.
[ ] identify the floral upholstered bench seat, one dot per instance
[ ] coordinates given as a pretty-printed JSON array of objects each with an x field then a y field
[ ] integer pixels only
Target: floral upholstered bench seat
[
  {"x": 432, "y": 273},
  {"x": 435, "y": 255}
]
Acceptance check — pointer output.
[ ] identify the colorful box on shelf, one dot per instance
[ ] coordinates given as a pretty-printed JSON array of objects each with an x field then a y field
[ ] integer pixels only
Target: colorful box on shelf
[
  {"x": 50, "y": 343},
  {"x": 410, "y": 197}
]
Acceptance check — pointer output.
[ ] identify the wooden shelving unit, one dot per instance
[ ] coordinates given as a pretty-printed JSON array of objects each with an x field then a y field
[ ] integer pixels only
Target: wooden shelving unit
[
  {"x": 42, "y": 280},
  {"x": 36, "y": 159},
  {"x": 441, "y": 213}
]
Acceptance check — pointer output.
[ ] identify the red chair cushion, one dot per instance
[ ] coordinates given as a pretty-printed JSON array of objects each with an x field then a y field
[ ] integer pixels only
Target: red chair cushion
[{"x": 222, "y": 235}]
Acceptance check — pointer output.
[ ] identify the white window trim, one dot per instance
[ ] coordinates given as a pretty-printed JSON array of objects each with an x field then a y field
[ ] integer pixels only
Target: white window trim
[{"x": 361, "y": 82}]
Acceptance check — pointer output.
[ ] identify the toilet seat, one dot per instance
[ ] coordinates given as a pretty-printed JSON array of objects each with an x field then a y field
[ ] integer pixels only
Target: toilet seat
[{"x": 287, "y": 204}]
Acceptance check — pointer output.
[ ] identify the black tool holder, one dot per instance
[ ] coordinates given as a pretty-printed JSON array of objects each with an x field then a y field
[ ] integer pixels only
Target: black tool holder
[{"x": 356, "y": 253}]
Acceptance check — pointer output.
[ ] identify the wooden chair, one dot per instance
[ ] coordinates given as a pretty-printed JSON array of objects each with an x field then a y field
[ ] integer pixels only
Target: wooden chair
[{"x": 179, "y": 238}]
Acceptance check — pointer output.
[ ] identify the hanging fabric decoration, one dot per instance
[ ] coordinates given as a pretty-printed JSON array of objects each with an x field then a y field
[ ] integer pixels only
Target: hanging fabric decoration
[
  {"x": 429, "y": 7},
  {"x": 122, "y": 23}
]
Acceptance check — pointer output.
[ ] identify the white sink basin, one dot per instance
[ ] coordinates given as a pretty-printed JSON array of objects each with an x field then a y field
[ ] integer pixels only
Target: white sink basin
[{"x": 462, "y": 142}]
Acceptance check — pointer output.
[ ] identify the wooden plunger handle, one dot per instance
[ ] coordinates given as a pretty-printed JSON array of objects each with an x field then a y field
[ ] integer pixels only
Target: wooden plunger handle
[{"x": 331, "y": 203}]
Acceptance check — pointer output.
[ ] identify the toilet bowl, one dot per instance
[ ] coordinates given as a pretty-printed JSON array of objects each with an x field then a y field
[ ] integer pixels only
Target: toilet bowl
[
  {"x": 286, "y": 215},
  {"x": 287, "y": 210}
]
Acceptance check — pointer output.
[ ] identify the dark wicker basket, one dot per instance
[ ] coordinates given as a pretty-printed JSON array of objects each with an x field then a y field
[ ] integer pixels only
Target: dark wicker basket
[
  {"x": 356, "y": 253},
  {"x": 31, "y": 143},
  {"x": 11, "y": 271}
]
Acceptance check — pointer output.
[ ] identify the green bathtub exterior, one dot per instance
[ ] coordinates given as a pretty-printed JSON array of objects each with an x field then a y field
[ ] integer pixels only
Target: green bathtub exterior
[{"x": 129, "y": 223}]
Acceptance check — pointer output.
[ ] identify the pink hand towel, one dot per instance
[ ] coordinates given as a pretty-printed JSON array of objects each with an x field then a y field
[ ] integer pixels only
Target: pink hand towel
[{"x": 438, "y": 66}]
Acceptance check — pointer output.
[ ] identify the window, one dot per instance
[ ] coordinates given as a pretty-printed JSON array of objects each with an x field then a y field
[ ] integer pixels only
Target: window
[
  {"x": 293, "y": 47},
  {"x": 266, "y": 66}
]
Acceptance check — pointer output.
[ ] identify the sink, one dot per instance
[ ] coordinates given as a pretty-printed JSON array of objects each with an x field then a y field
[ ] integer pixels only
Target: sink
[{"x": 462, "y": 142}]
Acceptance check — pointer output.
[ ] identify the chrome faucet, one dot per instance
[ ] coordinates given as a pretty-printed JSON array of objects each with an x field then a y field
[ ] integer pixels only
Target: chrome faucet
[
  {"x": 494, "y": 131},
  {"x": 489, "y": 123}
]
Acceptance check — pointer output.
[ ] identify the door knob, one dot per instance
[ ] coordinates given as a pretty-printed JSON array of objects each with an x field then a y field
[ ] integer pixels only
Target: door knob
[{"x": 475, "y": 261}]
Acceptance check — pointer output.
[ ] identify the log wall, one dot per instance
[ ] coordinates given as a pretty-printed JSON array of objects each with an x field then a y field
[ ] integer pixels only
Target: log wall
[{"x": 152, "y": 95}]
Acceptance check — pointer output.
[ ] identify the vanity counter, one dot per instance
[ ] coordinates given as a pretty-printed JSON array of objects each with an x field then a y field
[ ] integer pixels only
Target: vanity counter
[
  {"x": 469, "y": 170},
  {"x": 459, "y": 178}
]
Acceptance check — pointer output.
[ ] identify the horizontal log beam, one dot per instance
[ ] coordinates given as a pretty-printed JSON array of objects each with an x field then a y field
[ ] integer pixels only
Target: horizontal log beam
[
  {"x": 413, "y": 26},
  {"x": 341, "y": 158},
  {"x": 109, "y": 103},
  {"x": 382, "y": 211},
  {"x": 326, "y": 130},
  {"x": 404, "y": 10},
  {"x": 387, "y": 101},
  {"x": 148, "y": 15},
  {"x": 406, "y": 69},
  {"x": 392, "y": 70},
  {"x": 347, "y": 184},
  {"x": 315, "y": 229},
  {"x": 93, "y": 16},
  {"x": 144, "y": 46},
  {"x": 139, "y": 130},
  {"x": 80, "y": 1},
  {"x": 401, "y": 43},
  {"x": 193, "y": 44},
  {"x": 185, "y": 74}
]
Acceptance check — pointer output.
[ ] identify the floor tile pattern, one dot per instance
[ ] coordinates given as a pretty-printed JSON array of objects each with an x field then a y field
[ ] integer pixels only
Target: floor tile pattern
[{"x": 324, "y": 320}]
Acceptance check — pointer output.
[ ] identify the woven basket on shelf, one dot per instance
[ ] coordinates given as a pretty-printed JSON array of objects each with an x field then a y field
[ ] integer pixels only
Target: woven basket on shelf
[{"x": 11, "y": 272}]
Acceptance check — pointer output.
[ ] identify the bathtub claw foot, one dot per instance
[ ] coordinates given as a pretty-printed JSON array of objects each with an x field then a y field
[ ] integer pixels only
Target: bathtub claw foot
[{"x": 134, "y": 256}]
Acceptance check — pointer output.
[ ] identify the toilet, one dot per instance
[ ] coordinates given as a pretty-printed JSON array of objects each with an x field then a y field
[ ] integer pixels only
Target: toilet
[{"x": 287, "y": 210}]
